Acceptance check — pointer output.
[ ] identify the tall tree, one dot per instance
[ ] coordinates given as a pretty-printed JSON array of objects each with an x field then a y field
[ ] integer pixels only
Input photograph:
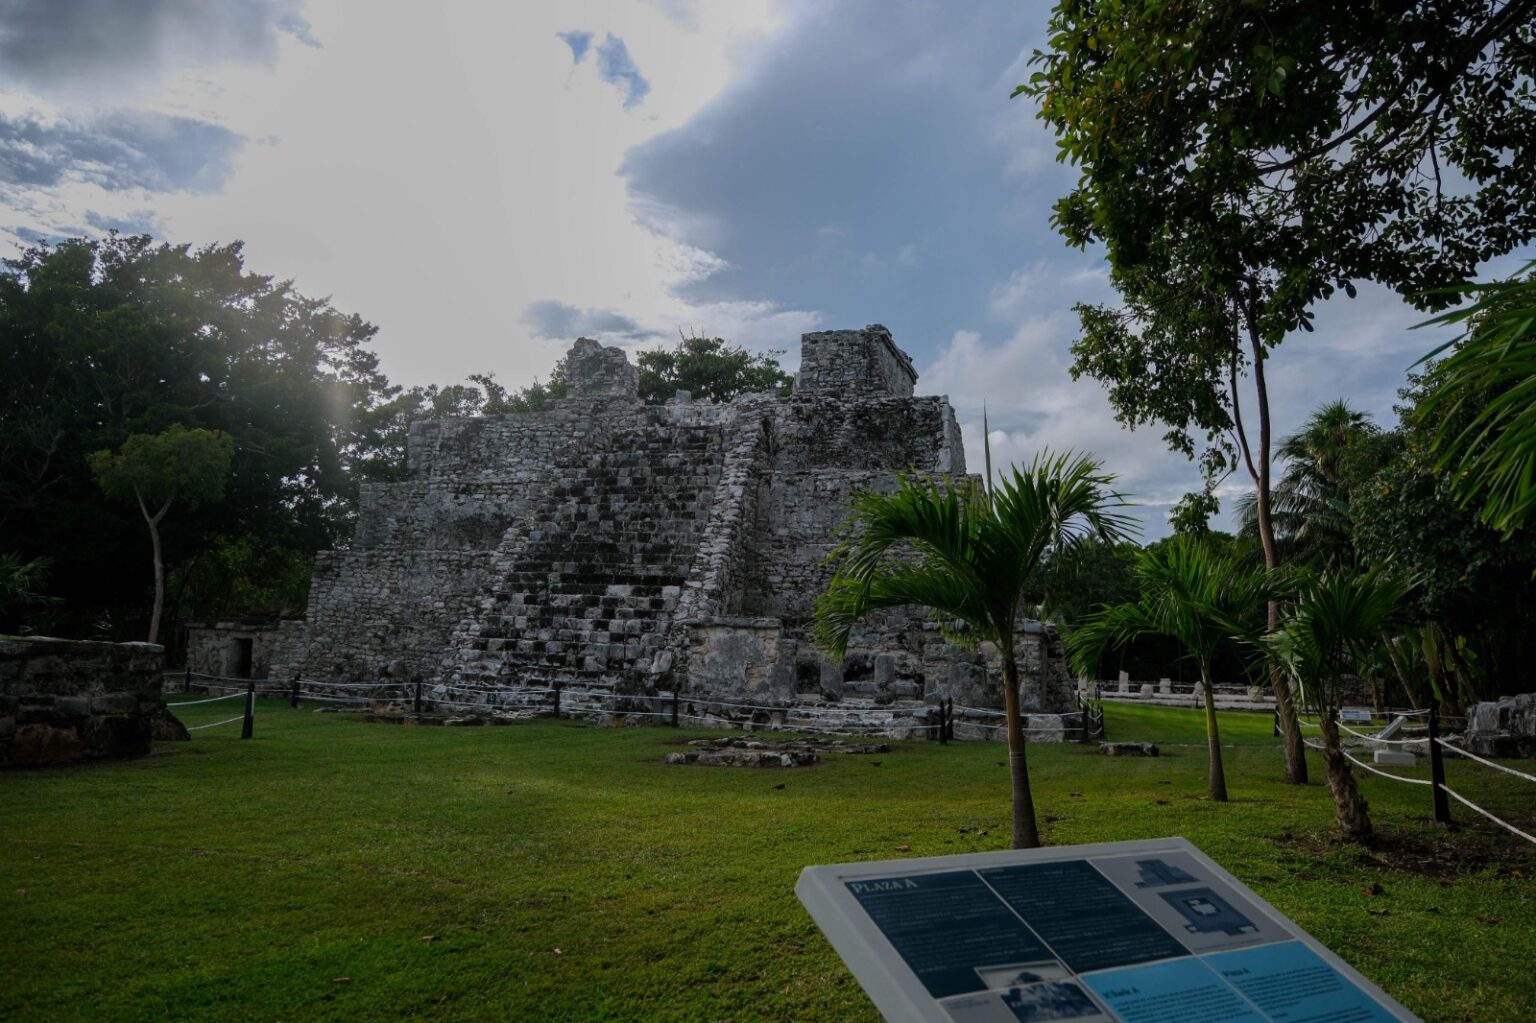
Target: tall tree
[
  {"x": 1190, "y": 593},
  {"x": 968, "y": 553},
  {"x": 103, "y": 339},
  {"x": 1333, "y": 631},
  {"x": 1242, "y": 162},
  {"x": 178, "y": 466}
]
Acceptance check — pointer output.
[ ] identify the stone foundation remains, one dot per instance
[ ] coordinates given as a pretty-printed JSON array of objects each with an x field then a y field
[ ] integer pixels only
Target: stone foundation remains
[
  {"x": 622, "y": 550},
  {"x": 1503, "y": 728},
  {"x": 63, "y": 700}
]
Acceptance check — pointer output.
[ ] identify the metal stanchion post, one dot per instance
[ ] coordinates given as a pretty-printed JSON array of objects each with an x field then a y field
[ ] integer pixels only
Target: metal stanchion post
[
  {"x": 250, "y": 709},
  {"x": 674, "y": 708},
  {"x": 1437, "y": 769},
  {"x": 293, "y": 696}
]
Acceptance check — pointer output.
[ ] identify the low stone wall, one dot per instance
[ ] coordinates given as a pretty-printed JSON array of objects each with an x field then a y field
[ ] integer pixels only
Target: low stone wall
[
  {"x": 63, "y": 700},
  {"x": 1505, "y": 727}
]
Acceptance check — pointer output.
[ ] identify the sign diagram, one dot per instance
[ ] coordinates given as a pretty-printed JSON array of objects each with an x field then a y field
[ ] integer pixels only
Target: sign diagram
[{"x": 1134, "y": 932}]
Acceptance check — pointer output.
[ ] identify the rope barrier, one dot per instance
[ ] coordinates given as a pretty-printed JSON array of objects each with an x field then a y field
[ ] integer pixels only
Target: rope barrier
[
  {"x": 1464, "y": 801},
  {"x": 1368, "y": 767},
  {"x": 226, "y": 721},
  {"x": 1373, "y": 738},
  {"x": 211, "y": 699},
  {"x": 1473, "y": 756}
]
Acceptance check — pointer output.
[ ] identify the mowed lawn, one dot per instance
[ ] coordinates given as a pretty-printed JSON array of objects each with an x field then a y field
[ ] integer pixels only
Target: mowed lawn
[{"x": 335, "y": 869}]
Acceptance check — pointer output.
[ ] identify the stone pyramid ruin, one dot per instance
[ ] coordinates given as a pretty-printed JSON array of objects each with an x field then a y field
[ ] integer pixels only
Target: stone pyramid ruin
[{"x": 624, "y": 550}]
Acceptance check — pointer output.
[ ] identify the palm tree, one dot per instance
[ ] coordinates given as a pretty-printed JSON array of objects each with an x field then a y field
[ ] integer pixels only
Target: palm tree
[
  {"x": 1204, "y": 600},
  {"x": 1486, "y": 390},
  {"x": 1310, "y": 502},
  {"x": 1337, "y": 619},
  {"x": 968, "y": 552}
]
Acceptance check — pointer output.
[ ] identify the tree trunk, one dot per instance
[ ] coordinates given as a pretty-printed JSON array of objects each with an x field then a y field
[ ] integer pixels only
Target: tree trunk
[
  {"x": 1349, "y": 805},
  {"x": 1402, "y": 673},
  {"x": 1285, "y": 701},
  {"x": 154, "y": 542},
  {"x": 1026, "y": 834},
  {"x": 1213, "y": 737}
]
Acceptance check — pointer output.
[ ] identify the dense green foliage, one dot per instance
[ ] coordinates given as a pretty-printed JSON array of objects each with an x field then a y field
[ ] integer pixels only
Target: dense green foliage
[
  {"x": 563, "y": 873},
  {"x": 711, "y": 369},
  {"x": 1485, "y": 391},
  {"x": 103, "y": 340},
  {"x": 970, "y": 554}
]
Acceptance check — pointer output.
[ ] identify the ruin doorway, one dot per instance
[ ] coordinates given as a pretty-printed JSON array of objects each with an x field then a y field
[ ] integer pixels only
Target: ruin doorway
[{"x": 242, "y": 658}]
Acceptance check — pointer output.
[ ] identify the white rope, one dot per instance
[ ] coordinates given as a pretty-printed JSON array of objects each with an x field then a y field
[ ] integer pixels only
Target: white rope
[
  {"x": 1373, "y": 738},
  {"x": 1480, "y": 760},
  {"x": 1502, "y": 823},
  {"x": 1368, "y": 767},
  {"x": 226, "y": 721},
  {"x": 354, "y": 685},
  {"x": 211, "y": 699},
  {"x": 336, "y": 699}
]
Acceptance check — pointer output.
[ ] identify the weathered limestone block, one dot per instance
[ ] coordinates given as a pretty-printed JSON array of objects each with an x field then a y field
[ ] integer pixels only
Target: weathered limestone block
[
  {"x": 1128, "y": 749},
  {"x": 63, "y": 700},
  {"x": 736, "y": 660},
  {"x": 854, "y": 362},
  {"x": 596, "y": 371},
  {"x": 831, "y": 681},
  {"x": 1503, "y": 728}
]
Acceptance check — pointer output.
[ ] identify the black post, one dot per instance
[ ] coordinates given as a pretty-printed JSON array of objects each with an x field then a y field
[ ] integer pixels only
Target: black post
[
  {"x": 674, "y": 708},
  {"x": 949, "y": 717},
  {"x": 1437, "y": 769},
  {"x": 943, "y": 723},
  {"x": 416, "y": 704},
  {"x": 557, "y": 700},
  {"x": 186, "y": 680},
  {"x": 293, "y": 695},
  {"x": 250, "y": 709}
]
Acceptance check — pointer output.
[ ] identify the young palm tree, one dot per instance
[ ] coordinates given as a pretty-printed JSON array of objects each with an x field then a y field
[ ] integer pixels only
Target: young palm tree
[
  {"x": 1337, "y": 620},
  {"x": 968, "y": 553},
  {"x": 1205, "y": 601}
]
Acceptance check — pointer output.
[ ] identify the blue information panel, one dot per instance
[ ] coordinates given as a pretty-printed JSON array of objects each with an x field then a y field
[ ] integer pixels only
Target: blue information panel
[{"x": 1138, "y": 932}]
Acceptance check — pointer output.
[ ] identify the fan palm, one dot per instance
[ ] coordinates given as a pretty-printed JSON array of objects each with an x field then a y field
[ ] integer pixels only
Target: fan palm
[
  {"x": 1337, "y": 620},
  {"x": 1205, "y": 601},
  {"x": 968, "y": 552}
]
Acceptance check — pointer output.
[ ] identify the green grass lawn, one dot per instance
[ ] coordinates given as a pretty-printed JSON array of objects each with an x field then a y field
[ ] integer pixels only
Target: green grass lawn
[{"x": 334, "y": 869}]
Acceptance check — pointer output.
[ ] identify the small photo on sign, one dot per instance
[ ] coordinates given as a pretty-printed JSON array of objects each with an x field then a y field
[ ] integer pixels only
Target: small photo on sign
[
  {"x": 1052, "y": 1000},
  {"x": 999, "y": 978}
]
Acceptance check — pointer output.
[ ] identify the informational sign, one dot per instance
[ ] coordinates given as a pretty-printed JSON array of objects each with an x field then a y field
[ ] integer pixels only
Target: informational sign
[{"x": 1136, "y": 932}]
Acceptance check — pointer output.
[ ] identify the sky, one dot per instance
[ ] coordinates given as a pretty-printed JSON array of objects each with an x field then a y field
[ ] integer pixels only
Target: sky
[{"x": 487, "y": 181}]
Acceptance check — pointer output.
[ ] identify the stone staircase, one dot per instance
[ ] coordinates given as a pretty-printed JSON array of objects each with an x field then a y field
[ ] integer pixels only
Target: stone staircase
[{"x": 587, "y": 593}]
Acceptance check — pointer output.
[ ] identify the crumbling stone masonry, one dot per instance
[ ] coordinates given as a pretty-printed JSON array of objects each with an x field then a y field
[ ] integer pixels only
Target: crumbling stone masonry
[
  {"x": 62, "y": 700},
  {"x": 624, "y": 549}
]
